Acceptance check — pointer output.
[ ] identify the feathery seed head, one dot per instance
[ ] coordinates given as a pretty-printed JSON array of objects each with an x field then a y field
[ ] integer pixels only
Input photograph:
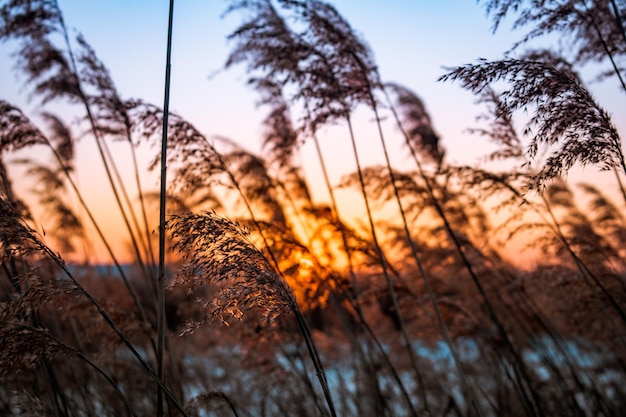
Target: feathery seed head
[{"x": 219, "y": 252}]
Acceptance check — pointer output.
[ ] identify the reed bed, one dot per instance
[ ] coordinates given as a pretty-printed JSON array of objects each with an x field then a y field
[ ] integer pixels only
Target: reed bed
[{"x": 257, "y": 299}]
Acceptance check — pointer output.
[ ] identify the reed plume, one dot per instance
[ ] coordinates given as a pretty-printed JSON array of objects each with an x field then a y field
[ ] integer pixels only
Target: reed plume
[
  {"x": 565, "y": 115},
  {"x": 591, "y": 32},
  {"x": 217, "y": 251}
]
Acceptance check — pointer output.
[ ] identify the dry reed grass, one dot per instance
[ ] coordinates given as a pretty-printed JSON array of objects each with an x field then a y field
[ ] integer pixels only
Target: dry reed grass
[{"x": 413, "y": 316}]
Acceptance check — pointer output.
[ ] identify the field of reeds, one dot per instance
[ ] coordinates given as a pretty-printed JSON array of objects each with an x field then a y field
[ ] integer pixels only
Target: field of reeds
[{"x": 248, "y": 297}]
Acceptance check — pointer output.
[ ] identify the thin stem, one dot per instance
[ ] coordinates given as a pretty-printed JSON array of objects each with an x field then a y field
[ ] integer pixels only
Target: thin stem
[
  {"x": 147, "y": 246},
  {"x": 146, "y": 228},
  {"x": 96, "y": 133},
  {"x": 620, "y": 184},
  {"x": 618, "y": 19},
  {"x": 97, "y": 368},
  {"x": 528, "y": 404},
  {"x": 133, "y": 217},
  {"x": 520, "y": 368},
  {"x": 99, "y": 143},
  {"x": 61, "y": 264},
  {"x": 605, "y": 46},
  {"x": 162, "y": 207},
  {"x": 443, "y": 329},
  {"x": 381, "y": 256},
  {"x": 407, "y": 233},
  {"x": 586, "y": 273},
  {"x": 319, "y": 369},
  {"x": 359, "y": 311},
  {"x": 105, "y": 242},
  {"x": 344, "y": 238},
  {"x": 301, "y": 322}
]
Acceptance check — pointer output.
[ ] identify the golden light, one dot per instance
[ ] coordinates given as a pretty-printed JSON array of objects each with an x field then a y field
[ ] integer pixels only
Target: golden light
[{"x": 306, "y": 263}]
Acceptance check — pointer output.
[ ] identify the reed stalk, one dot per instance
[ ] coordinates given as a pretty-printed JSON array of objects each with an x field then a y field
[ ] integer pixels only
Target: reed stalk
[
  {"x": 103, "y": 239},
  {"x": 442, "y": 327},
  {"x": 101, "y": 145},
  {"x": 70, "y": 350},
  {"x": 162, "y": 211},
  {"x": 384, "y": 266},
  {"x": 303, "y": 326},
  {"x": 28, "y": 234}
]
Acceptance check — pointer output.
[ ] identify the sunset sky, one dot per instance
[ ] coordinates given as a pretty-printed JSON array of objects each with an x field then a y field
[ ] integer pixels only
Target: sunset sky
[{"x": 413, "y": 41}]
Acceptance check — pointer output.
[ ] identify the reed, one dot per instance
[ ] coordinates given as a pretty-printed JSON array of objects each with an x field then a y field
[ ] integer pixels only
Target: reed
[{"x": 270, "y": 302}]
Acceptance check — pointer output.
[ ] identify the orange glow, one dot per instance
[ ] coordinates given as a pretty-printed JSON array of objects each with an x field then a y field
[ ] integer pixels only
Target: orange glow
[{"x": 305, "y": 265}]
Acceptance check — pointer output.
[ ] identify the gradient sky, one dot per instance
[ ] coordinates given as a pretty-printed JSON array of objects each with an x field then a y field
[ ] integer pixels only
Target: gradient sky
[{"x": 413, "y": 41}]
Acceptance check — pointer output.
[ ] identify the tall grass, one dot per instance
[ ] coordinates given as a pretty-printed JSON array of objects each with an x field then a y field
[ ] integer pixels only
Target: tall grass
[{"x": 270, "y": 302}]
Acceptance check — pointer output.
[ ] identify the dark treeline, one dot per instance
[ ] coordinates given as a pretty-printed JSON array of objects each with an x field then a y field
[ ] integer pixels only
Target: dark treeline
[{"x": 278, "y": 304}]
